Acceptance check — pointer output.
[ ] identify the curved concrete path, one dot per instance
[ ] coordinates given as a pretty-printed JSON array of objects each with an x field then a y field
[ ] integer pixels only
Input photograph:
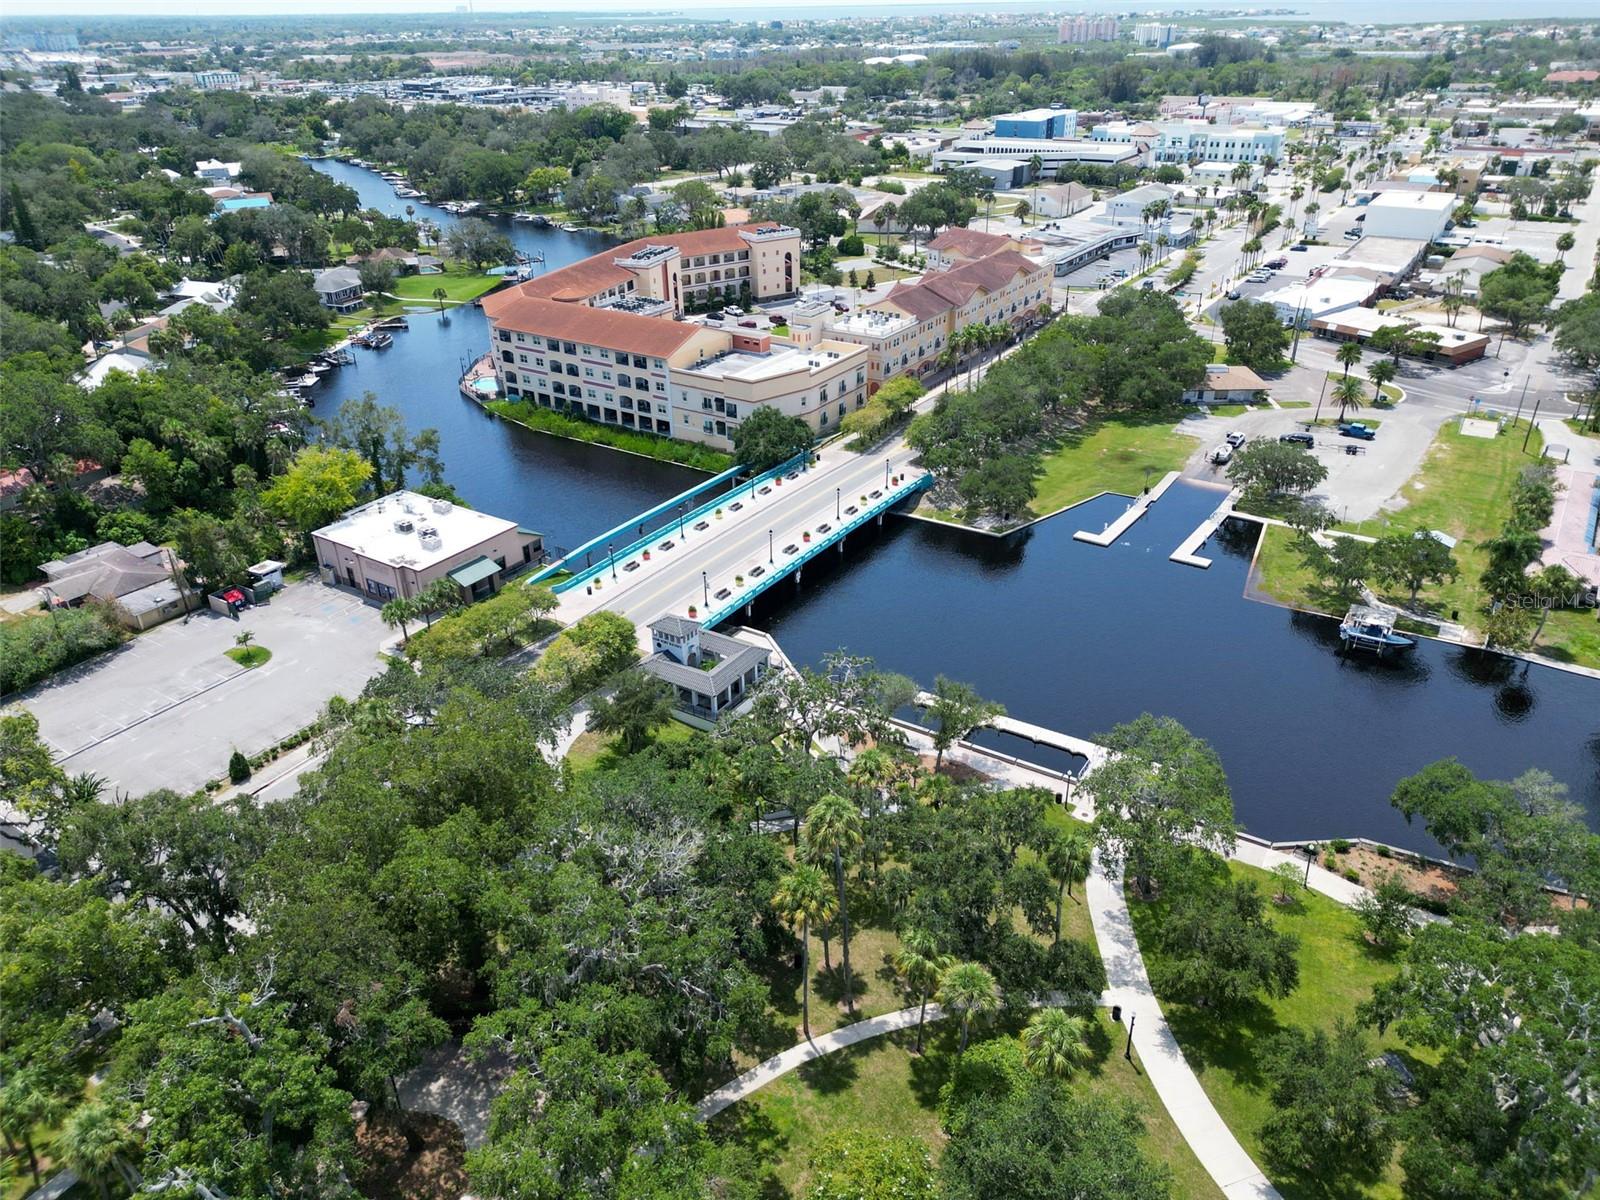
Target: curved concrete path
[{"x": 797, "y": 1056}]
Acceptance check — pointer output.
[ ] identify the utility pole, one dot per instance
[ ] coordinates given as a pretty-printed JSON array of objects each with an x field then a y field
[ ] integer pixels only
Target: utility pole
[
  {"x": 1520, "y": 400},
  {"x": 1532, "y": 421}
]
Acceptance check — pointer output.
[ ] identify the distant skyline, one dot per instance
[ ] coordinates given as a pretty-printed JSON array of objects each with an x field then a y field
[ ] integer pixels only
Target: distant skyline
[{"x": 1366, "y": 11}]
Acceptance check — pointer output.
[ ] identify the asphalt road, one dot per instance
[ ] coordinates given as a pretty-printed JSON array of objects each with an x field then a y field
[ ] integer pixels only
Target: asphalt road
[{"x": 754, "y": 536}]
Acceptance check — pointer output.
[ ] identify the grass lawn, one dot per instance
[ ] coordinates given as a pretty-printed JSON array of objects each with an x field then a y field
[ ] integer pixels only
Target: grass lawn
[
  {"x": 1227, "y": 410},
  {"x": 461, "y": 285},
  {"x": 879, "y": 1085},
  {"x": 1338, "y": 970},
  {"x": 1294, "y": 404},
  {"x": 1110, "y": 457},
  {"x": 598, "y": 751},
  {"x": 249, "y": 656},
  {"x": 1463, "y": 488}
]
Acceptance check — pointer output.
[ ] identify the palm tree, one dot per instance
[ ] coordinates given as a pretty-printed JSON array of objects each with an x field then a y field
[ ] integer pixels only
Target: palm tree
[
  {"x": 440, "y": 296},
  {"x": 1055, "y": 1043},
  {"x": 833, "y": 826},
  {"x": 1023, "y": 211},
  {"x": 1453, "y": 299},
  {"x": 802, "y": 898},
  {"x": 27, "y": 1101},
  {"x": 920, "y": 964},
  {"x": 1349, "y": 393},
  {"x": 1348, "y": 354},
  {"x": 1380, "y": 373},
  {"x": 968, "y": 988},
  {"x": 1066, "y": 857},
  {"x": 876, "y": 773},
  {"x": 90, "y": 1141},
  {"x": 397, "y": 612},
  {"x": 1551, "y": 587},
  {"x": 1564, "y": 243}
]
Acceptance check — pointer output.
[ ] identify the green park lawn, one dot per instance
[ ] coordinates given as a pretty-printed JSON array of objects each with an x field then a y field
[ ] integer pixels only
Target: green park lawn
[
  {"x": 1112, "y": 456},
  {"x": 598, "y": 751},
  {"x": 461, "y": 284},
  {"x": 1338, "y": 970},
  {"x": 1463, "y": 488},
  {"x": 880, "y": 1086}
]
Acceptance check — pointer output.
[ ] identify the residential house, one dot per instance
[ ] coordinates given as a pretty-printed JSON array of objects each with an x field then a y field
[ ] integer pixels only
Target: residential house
[
  {"x": 338, "y": 288},
  {"x": 142, "y": 584}
]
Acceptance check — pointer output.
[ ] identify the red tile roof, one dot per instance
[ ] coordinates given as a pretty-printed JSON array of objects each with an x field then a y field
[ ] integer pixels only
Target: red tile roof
[
  {"x": 575, "y": 284},
  {"x": 659, "y": 336},
  {"x": 943, "y": 290}
]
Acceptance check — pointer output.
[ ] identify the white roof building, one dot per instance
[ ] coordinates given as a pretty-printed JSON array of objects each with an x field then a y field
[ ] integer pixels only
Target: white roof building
[{"x": 1317, "y": 298}]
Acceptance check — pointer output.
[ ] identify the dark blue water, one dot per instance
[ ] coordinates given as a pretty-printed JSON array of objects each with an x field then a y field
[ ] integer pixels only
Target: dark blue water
[
  {"x": 1069, "y": 636},
  {"x": 568, "y": 491},
  {"x": 1077, "y": 638}
]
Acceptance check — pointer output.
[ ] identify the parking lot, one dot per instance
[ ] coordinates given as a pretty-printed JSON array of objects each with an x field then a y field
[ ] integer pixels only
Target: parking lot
[
  {"x": 168, "y": 708},
  {"x": 1090, "y": 274}
]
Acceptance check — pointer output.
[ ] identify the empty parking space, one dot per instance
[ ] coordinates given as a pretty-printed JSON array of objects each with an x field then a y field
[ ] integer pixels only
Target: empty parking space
[{"x": 167, "y": 709}]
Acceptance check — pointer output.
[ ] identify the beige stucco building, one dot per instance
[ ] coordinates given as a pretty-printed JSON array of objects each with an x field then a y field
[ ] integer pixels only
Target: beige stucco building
[{"x": 397, "y": 545}]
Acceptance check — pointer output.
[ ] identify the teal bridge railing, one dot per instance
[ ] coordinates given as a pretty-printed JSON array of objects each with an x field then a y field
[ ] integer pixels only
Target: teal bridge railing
[
  {"x": 752, "y": 588},
  {"x": 616, "y": 554}
]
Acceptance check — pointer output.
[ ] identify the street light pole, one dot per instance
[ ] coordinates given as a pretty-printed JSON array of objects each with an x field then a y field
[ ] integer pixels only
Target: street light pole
[
  {"x": 769, "y": 546},
  {"x": 681, "y": 509},
  {"x": 705, "y": 583},
  {"x": 612, "y": 555},
  {"x": 1127, "y": 1052},
  {"x": 837, "y": 493},
  {"x": 1318, "y": 414},
  {"x": 1310, "y": 852}
]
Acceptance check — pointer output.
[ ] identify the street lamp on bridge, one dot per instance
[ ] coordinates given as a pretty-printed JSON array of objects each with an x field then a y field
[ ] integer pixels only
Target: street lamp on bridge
[
  {"x": 770, "y": 559},
  {"x": 837, "y": 492},
  {"x": 705, "y": 584}
]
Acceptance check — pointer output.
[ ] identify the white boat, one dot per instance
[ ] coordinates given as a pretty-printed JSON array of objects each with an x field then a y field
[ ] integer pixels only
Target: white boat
[
  {"x": 523, "y": 216},
  {"x": 569, "y": 227}
]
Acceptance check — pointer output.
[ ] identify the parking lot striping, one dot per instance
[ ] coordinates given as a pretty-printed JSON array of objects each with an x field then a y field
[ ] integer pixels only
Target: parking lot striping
[{"x": 153, "y": 714}]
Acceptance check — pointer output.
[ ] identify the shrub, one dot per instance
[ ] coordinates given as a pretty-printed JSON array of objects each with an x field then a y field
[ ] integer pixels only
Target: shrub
[
  {"x": 1385, "y": 852},
  {"x": 1340, "y": 845},
  {"x": 851, "y": 245},
  {"x": 38, "y": 647},
  {"x": 1353, "y": 875},
  {"x": 238, "y": 768},
  {"x": 893, "y": 186}
]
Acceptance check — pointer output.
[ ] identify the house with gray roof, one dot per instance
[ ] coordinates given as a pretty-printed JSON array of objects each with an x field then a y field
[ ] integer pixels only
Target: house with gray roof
[
  {"x": 709, "y": 673},
  {"x": 140, "y": 583}
]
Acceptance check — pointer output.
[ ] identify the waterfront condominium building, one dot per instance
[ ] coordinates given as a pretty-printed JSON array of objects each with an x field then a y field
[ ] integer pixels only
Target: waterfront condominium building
[
  {"x": 1074, "y": 31},
  {"x": 606, "y": 338},
  {"x": 1155, "y": 33},
  {"x": 677, "y": 378},
  {"x": 907, "y": 330},
  {"x": 759, "y": 260}
]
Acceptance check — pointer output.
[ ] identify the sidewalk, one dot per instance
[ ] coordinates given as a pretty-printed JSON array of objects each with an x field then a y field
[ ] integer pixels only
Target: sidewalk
[{"x": 1191, "y": 1110}]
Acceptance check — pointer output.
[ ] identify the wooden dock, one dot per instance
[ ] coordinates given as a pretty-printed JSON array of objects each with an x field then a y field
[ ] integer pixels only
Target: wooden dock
[
  {"x": 1092, "y": 753},
  {"x": 1121, "y": 525}
]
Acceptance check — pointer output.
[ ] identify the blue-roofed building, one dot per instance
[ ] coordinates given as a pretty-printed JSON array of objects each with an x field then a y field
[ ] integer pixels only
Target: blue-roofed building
[{"x": 1038, "y": 123}]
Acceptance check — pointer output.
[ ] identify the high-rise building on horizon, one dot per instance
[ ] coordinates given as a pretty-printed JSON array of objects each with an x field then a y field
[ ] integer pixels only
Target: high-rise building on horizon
[{"x": 1075, "y": 31}]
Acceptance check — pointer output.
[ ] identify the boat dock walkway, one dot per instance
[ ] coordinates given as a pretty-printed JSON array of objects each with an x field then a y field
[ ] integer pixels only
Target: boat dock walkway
[
  {"x": 1109, "y": 535},
  {"x": 1186, "y": 552}
]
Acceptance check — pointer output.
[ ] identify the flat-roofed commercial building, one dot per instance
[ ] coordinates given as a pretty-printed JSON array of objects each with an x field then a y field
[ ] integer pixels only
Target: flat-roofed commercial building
[
  {"x": 1414, "y": 216},
  {"x": 397, "y": 545},
  {"x": 1053, "y": 154},
  {"x": 1454, "y": 346}
]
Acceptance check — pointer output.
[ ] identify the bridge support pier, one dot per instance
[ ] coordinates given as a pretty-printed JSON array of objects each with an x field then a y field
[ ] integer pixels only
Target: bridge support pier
[
  {"x": 798, "y": 574},
  {"x": 880, "y": 520},
  {"x": 840, "y": 544},
  {"x": 749, "y": 611}
]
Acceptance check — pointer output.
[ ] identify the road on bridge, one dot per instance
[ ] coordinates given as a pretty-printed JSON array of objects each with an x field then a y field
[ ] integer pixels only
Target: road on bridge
[{"x": 740, "y": 541}]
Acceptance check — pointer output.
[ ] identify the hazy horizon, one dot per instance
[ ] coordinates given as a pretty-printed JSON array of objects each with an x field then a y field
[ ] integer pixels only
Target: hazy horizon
[{"x": 1362, "y": 11}]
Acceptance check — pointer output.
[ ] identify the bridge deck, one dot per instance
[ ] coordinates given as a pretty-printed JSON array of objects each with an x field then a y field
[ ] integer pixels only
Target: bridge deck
[{"x": 738, "y": 545}]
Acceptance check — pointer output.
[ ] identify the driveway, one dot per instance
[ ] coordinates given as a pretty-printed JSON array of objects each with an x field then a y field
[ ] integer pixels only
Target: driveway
[{"x": 168, "y": 709}]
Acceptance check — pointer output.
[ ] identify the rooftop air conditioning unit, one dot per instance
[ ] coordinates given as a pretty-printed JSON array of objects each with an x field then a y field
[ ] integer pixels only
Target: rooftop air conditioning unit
[
  {"x": 429, "y": 537},
  {"x": 441, "y": 506},
  {"x": 403, "y": 525}
]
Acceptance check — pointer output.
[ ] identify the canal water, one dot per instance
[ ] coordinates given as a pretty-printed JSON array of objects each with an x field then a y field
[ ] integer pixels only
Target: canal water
[
  {"x": 569, "y": 491},
  {"x": 1067, "y": 635},
  {"x": 1078, "y": 638}
]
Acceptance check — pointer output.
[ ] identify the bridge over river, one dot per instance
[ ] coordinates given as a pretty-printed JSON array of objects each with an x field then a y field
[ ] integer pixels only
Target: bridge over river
[{"x": 712, "y": 561}]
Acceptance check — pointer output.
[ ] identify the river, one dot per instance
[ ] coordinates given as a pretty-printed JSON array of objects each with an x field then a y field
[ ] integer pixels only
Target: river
[
  {"x": 567, "y": 490},
  {"x": 1066, "y": 635}
]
